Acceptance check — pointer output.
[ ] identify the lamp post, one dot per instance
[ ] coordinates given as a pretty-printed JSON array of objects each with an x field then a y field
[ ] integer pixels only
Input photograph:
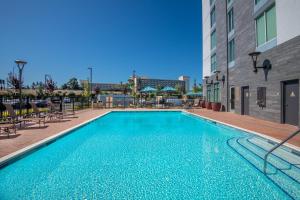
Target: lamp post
[{"x": 20, "y": 65}]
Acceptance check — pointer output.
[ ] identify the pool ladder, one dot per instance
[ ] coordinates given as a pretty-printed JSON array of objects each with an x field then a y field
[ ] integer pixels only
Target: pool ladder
[{"x": 278, "y": 145}]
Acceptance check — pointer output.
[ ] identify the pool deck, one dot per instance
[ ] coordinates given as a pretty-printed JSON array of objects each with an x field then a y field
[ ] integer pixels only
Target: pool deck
[
  {"x": 33, "y": 134},
  {"x": 271, "y": 129}
]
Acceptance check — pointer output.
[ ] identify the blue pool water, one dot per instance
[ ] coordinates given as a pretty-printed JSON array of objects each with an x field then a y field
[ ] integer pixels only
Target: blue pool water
[{"x": 138, "y": 155}]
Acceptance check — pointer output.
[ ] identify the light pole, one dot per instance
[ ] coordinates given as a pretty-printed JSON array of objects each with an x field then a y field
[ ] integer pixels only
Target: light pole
[{"x": 20, "y": 65}]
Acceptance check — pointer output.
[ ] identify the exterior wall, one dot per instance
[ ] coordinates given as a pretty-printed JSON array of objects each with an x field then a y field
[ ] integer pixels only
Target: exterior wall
[
  {"x": 206, "y": 37},
  {"x": 284, "y": 57},
  {"x": 288, "y": 12}
]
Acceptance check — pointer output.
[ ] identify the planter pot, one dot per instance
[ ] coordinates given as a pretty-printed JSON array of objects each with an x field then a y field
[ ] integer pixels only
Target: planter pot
[
  {"x": 203, "y": 104},
  {"x": 208, "y": 105},
  {"x": 216, "y": 106}
]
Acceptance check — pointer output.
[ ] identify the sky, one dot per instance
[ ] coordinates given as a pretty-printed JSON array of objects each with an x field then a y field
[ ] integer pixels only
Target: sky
[{"x": 156, "y": 38}]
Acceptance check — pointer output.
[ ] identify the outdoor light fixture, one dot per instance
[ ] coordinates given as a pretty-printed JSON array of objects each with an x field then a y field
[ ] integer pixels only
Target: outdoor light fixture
[
  {"x": 20, "y": 65},
  {"x": 217, "y": 75},
  {"x": 266, "y": 64},
  {"x": 206, "y": 79}
]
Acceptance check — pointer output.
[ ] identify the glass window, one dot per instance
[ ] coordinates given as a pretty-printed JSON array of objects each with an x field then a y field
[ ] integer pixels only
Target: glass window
[
  {"x": 208, "y": 93},
  {"x": 231, "y": 51},
  {"x": 260, "y": 30},
  {"x": 271, "y": 23},
  {"x": 212, "y": 16},
  {"x": 257, "y": 1},
  {"x": 213, "y": 60},
  {"x": 216, "y": 92},
  {"x": 230, "y": 20},
  {"x": 266, "y": 29},
  {"x": 229, "y": 1},
  {"x": 213, "y": 41}
]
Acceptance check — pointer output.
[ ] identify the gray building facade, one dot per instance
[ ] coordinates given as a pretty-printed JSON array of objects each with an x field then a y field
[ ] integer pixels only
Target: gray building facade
[{"x": 236, "y": 28}]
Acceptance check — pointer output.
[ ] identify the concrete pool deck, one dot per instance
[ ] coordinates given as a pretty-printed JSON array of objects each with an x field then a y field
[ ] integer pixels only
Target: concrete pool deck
[
  {"x": 271, "y": 129},
  {"x": 33, "y": 134}
]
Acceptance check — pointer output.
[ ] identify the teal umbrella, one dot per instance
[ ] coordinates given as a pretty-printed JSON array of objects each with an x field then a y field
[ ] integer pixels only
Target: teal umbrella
[
  {"x": 148, "y": 89},
  {"x": 194, "y": 94},
  {"x": 168, "y": 89}
]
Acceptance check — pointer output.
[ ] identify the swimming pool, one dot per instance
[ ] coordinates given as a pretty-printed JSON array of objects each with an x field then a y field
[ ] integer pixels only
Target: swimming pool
[{"x": 142, "y": 155}]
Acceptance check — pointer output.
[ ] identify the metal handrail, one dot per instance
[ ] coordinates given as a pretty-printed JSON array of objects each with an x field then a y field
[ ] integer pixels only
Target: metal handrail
[{"x": 278, "y": 145}]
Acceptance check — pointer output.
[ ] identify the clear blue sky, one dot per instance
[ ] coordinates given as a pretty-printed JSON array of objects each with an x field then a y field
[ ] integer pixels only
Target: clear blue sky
[{"x": 157, "y": 38}]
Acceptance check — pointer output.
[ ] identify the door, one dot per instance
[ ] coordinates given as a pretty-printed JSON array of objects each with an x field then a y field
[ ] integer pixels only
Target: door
[
  {"x": 232, "y": 99},
  {"x": 291, "y": 102},
  {"x": 245, "y": 100}
]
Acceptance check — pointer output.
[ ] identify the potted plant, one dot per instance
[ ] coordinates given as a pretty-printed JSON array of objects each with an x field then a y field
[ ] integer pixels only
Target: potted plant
[
  {"x": 216, "y": 106},
  {"x": 203, "y": 104},
  {"x": 208, "y": 105}
]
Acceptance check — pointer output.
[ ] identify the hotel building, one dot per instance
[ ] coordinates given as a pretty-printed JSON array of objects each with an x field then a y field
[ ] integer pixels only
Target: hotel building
[
  {"x": 234, "y": 28},
  {"x": 141, "y": 82}
]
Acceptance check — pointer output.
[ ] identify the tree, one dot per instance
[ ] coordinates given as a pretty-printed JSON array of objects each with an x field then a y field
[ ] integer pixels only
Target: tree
[
  {"x": 197, "y": 88},
  {"x": 50, "y": 85},
  {"x": 13, "y": 81},
  {"x": 72, "y": 84}
]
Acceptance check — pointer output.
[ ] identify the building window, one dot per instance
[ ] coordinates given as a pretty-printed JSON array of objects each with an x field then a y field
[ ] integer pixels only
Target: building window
[
  {"x": 212, "y": 16},
  {"x": 213, "y": 39},
  {"x": 230, "y": 20},
  {"x": 208, "y": 93},
  {"x": 266, "y": 26},
  {"x": 231, "y": 51},
  {"x": 213, "y": 61},
  {"x": 257, "y": 1},
  {"x": 228, "y": 2},
  {"x": 216, "y": 92}
]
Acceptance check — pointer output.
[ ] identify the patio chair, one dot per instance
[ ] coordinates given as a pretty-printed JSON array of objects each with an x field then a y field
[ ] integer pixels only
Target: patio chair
[
  {"x": 25, "y": 119},
  {"x": 36, "y": 111},
  {"x": 196, "y": 103},
  {"x": 54, "y": 112},
  {"x": 6, "y": 128}
]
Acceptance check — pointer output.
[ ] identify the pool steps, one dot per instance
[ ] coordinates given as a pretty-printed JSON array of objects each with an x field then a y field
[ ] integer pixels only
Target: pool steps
[{"x": 283, "y": 166}]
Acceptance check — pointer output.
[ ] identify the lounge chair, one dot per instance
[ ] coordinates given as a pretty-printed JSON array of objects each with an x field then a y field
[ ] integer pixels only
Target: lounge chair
[
  {"x": 14, "y": 118},
  {"x": 54, "y": 112},
  {"x": 196, "y": 103},
  {"x": 7, "y": 127}
]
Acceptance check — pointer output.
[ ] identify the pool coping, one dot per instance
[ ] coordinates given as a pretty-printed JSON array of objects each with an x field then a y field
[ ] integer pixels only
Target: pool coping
[{"x": 6, "y": 160}]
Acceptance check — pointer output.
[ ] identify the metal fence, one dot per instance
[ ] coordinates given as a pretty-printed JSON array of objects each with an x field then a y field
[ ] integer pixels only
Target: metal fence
[{"x": 60, "y": 103}]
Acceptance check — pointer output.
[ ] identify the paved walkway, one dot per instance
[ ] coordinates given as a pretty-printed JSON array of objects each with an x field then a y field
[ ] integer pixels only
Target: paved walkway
[
  {"x": 275, "y": 130},
  {"x": 32, "y": 134}
]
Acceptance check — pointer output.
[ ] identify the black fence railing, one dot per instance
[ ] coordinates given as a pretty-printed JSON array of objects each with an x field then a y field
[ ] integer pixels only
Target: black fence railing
[{"x": 60, "y": 104}]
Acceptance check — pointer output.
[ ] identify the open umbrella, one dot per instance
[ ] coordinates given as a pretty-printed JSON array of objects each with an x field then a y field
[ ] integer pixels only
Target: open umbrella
[
  {"x": 194, "y": 94},
  {"x": 148, "y": 89},
  {"x": 168, "y": 89}
]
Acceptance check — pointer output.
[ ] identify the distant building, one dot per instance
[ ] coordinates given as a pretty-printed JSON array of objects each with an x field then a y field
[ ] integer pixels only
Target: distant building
[
  {"x": 186, "y": 79},
  {"x": 106, "y": 87},
  {"x": 142, "y": 82}
]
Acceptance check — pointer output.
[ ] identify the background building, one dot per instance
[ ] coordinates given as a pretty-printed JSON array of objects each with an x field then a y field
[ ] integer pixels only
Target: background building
[
  {"x": 231, "y": 30},
  {"x": 142, "y": 82}
]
